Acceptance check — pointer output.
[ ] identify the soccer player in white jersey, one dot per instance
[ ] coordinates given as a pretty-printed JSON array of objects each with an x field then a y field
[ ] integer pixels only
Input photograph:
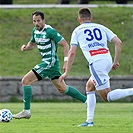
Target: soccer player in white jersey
[
  {"x": 92, "y": 39},
  {"x": 46, "y": 39}
]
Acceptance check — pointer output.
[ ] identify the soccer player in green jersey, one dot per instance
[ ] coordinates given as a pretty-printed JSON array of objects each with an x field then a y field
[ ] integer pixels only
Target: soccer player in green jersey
[{"x": 46, "y": 39}]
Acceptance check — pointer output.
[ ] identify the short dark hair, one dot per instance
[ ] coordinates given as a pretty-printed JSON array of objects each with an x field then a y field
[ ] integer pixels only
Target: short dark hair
[
  {"x": 84, "y": 13},
  {"x": 36, "y": 13}
]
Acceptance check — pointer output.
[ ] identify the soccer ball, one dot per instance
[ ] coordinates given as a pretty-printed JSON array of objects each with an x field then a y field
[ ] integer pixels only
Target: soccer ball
[{"x": 5, "y": 115}]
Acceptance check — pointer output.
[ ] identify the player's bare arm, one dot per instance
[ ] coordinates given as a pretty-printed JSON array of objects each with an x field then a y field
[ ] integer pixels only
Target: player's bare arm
[
  {"x": 118, "y": 47},
  {"x": 71, "y": 57},
  {"x": 29, "y": 46},
  {"x": 65, "y": 46}
]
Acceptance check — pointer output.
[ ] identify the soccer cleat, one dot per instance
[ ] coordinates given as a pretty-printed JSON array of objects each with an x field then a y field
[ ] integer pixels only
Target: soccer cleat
[
  {"x": 22, "y": 114},
  {"x": 86, "y": 124}
]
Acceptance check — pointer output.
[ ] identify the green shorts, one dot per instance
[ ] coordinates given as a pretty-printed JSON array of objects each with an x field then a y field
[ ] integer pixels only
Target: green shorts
[{"x": 44, "y": 70}]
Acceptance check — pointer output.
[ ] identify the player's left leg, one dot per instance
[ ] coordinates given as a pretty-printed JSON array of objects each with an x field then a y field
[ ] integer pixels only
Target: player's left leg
[
  {"x": 69, "y": 90},
  {"x": 62, "y": 87},
  {"x": 116, "y": 94}
]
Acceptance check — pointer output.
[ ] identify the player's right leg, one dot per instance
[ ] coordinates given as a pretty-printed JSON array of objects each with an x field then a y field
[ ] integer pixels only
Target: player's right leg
[
  {"x": 27, "y": 80},
  {"x": 91, "y": 102},
  {"x": 99, "y": 78}
]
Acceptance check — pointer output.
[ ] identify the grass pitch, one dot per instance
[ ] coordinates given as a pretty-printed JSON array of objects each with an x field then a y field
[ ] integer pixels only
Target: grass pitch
[
  {"x": 64, "y": 118},
  {"x": 16, "y": 25}
]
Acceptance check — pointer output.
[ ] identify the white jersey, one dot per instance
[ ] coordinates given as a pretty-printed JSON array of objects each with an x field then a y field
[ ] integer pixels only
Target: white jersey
[{"x": 92, "y": 39}]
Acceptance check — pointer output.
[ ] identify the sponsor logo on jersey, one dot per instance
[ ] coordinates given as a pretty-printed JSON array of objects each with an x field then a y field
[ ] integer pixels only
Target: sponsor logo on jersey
[
  {"x": 98, "y": 51},
  {"x": 44, "y": 47}
]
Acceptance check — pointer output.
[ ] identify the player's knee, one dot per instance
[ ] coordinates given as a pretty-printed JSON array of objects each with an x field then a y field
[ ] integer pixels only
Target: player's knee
[
  {"x": 24, "y": 82},
  {"x": 105, "y": 99},
  {"x": 61, "y": 90},
  {"x": 90, "y": 86}
]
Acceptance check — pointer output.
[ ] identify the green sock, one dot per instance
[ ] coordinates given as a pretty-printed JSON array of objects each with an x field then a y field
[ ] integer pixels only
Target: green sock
[
  {"x": 75, "y": 94},
  {"x": 27, "y": 96}
]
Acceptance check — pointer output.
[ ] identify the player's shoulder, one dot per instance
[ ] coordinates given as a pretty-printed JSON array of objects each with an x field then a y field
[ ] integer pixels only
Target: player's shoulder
[
  {"x": 98, "y": 25},
  {"x": 49, "y": 28},
  {"x": 85, "y": 25},
  {"x": 34, "y": 29}
]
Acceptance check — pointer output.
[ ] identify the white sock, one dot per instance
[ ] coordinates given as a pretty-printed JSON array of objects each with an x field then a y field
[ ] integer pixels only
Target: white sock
[
  {"x": 27, "y": 111},
  {"x": 119, "y": 93},
  {"x": 91, "y": 102}
]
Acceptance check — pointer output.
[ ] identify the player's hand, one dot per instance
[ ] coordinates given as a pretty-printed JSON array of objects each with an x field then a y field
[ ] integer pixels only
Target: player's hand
[
  {"x": 115, "y": 66},
  {"x": 23, "y": 48},
  {"x": 63, "y": 76},
  {"x": 64, "y": 66}
]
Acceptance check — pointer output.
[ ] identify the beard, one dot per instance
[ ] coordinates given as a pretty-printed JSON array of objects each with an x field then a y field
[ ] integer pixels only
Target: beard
[{"x": 39, "y": 27}]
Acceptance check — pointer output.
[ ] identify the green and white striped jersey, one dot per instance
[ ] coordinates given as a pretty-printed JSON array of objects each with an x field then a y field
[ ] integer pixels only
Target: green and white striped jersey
[{"x": 47, "y": 43}]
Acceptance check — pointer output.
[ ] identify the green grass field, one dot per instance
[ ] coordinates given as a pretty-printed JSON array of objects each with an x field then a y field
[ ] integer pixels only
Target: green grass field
[
  {"x": 64, "y": 118},
  {"x": 16, "y": 26}
]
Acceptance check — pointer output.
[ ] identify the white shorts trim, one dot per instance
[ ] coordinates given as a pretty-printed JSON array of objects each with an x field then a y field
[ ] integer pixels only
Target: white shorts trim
[{"x": 104, "y": 86}]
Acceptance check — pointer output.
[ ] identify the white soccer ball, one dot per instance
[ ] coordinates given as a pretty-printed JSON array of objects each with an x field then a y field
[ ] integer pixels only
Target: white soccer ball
[{"x": 5, "y": 115}]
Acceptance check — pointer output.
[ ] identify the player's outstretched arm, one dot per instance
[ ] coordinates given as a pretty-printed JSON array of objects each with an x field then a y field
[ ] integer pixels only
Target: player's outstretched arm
[
  {"x": 71, "y": 57},
  {"x": 29, "y": 46},
  {"x": 65, "y": 46}
]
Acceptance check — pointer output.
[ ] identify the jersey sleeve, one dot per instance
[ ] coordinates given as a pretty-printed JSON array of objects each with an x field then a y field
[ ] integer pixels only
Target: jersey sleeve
[
  {"x": 32, "y": 39},
  {"x": 74, "y": 39},
  {"x": 109, "y": 34},
  {"x": 54, "y": 35}
]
